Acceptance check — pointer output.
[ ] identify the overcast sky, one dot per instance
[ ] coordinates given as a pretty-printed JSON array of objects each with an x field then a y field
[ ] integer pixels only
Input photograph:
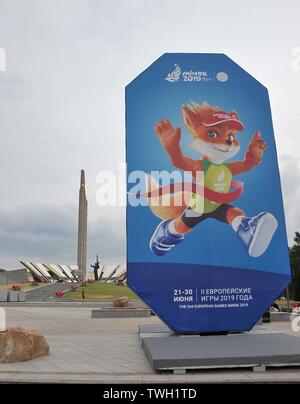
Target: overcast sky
[{"x": 62, "y": 104}]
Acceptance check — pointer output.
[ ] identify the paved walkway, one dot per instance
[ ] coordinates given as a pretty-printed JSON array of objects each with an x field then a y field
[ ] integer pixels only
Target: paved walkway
[{"x": 105, "y": 351}]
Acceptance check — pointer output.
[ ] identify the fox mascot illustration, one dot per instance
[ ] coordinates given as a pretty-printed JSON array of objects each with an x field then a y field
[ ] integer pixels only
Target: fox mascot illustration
[{"x": 214, "y": 135}]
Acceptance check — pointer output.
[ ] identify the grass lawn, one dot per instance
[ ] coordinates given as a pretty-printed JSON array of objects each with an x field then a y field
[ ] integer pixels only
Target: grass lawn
[
  {"x": 101, "y": 291},
  {"x": 25, "y": 286}
]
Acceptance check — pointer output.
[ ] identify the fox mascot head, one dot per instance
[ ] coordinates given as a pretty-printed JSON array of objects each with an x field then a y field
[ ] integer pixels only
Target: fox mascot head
[{"x": 215, "y": 142}]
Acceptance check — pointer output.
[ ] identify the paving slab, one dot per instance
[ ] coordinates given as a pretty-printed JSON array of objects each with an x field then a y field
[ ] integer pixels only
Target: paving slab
[{"x": 85, "y": 350}]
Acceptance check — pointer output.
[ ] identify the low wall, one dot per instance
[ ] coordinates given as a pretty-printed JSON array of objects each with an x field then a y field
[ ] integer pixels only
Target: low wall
[{"x": 15, "y": 276}]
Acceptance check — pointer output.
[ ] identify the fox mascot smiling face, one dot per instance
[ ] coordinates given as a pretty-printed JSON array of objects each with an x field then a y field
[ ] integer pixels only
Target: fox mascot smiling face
[
  {"x": 214, "y": 135},
  {"x": 217, "y": 142}
]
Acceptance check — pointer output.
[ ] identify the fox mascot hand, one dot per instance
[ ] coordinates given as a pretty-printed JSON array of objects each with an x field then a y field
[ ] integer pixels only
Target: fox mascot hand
[
  {"x": 169, "y": 137},
  {"x": 256, "y": 148}
]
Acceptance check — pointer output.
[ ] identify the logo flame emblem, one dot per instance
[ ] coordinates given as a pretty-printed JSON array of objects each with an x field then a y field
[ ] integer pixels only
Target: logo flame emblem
[
  {"x": 221, "y": 176},
  {"x": 174, "y": 75}
]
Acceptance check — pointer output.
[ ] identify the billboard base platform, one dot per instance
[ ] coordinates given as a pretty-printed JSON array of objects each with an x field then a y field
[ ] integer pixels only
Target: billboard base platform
[
  {"x": 153, "y": 330},
  {"x": 258, "y": 350},
  {"x": 112, "y": 312}
]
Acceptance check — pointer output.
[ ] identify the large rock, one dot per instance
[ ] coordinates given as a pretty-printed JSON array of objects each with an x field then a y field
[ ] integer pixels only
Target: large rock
[
  {"x": 121, "y": 302},
  {"x": 18, "y": 345}
]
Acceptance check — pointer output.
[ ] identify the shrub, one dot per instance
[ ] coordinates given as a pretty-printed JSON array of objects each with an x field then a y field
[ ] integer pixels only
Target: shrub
[{"x": 16, "y": 287}]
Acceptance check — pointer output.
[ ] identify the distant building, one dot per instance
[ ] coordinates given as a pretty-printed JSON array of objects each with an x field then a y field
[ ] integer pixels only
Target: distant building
[
  {"x": 50, "y": 272},
  {"x": 14, "y": 276},
  {"x": 70, "y": 273}
]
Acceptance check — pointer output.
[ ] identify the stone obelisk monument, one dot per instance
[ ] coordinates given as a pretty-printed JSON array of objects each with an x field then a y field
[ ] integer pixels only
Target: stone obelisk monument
[{"x": 82, "y": 228}]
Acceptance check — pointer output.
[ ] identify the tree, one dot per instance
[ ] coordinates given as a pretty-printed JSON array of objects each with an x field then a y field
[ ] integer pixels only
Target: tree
[{"x": 294, "y": 253}]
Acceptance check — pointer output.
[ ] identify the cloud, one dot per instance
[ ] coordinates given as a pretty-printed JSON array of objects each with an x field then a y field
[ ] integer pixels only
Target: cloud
[
  {"x": 290, "y": 174},
  {"x": 62, "y": 103},
  {"x": 49, "y": 234}
]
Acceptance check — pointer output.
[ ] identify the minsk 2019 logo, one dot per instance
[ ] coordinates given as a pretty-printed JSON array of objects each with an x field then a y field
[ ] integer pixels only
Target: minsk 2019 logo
[{"x": 194, "y": 75}]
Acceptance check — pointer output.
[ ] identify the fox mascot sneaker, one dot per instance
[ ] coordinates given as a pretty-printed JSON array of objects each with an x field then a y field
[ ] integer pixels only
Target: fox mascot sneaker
[
  {"x": 256, "y": 232},
  {"x": 163, "y": 240}
]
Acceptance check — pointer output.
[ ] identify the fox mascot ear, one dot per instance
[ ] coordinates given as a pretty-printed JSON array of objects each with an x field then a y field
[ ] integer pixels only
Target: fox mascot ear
[
  {"x": 193, "y": 115},
  {"x": 190, "y": 119},
  {"x": 234, "y": 115}
]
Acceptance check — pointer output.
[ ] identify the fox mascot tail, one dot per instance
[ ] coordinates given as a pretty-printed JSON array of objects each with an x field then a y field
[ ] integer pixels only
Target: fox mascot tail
[{"x": 167, "y": 206}]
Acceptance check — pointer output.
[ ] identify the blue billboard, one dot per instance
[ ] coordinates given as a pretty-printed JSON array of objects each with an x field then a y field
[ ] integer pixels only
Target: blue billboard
[{"x": 206, "y": 237}]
